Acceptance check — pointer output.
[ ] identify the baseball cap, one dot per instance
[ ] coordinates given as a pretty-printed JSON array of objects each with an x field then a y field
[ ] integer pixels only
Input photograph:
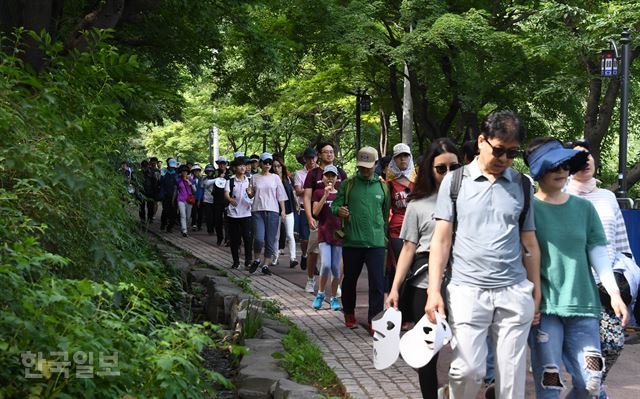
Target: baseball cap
[
  {"x": 265, "y": 155},
  {"x": 401, "y": 148},
  {"x": 172, "y": 163},
  {"x": 310, "y": 153},
  {"x": 330, "y": 169},
  {"x": 238, "y": 154},
  {"x": 196, "y": 167},
  {"x": 221, "y": 160},
  {"x": 367, "y": 157},
  {"x": 254, "y": 157},
  {"x": 209, "y": 168}
]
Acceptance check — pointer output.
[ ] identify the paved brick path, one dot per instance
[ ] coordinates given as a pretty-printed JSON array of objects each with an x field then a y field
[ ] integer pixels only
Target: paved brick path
[{"x": 349, "y": 352}]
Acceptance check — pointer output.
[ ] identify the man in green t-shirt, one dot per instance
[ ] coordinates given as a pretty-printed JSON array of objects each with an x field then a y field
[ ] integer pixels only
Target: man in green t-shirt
[{"x": 363, "y": 204}]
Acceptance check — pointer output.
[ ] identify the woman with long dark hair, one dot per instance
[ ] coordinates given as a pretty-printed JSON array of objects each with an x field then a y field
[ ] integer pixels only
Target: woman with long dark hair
[
  {"x": 290, "y": 205},
  {"x": 417, "y": 230}
]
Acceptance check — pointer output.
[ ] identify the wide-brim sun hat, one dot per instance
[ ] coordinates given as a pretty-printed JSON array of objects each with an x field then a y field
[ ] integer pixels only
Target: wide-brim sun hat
[
  {"x": 552, "y": 154},
  {"x": 196, "y": 167}
]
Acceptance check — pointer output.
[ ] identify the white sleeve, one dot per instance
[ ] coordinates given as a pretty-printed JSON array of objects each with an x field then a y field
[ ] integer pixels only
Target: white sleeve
[{"x": 599, "y": 259}]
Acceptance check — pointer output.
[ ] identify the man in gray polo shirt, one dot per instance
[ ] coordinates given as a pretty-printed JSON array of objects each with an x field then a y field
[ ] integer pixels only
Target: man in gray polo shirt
[{"x": 495, "y": 265}]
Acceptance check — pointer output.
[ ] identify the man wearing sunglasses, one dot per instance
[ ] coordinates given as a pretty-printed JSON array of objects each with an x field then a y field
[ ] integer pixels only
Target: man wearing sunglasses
[{"x": 494, "y": 260}]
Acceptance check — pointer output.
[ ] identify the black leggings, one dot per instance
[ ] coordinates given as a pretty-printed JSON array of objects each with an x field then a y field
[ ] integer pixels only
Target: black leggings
[
  {"x": 241, "y": 229},
  {"x": 427, "y": 375}
]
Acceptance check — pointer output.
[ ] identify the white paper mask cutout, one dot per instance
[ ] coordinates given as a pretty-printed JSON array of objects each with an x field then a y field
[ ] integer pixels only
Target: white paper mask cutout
[
  {"x": 422, "y": 342},
  {"x": 386, "y": 338},
  {"x": 220, "y": 182}
]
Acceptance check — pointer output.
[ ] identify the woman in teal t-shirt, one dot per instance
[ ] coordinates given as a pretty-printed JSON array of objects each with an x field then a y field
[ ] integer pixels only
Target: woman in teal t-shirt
[{"x": 571, "y": 240}]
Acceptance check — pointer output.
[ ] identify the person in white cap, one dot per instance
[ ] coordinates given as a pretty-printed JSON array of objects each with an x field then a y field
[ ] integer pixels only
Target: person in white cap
[
  {"x": 312, "y": 182},
  {"x": 268, "y": 196},
  {"x": 400, "y": 178},
  {"x": 363, "y": 205}
]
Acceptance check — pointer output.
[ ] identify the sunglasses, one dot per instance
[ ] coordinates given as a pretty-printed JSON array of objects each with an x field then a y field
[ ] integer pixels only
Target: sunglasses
[
  {"x": 500, "y": 151},
  {"x": 442, "y": 169},
  {"x": 562, "y": 166}
]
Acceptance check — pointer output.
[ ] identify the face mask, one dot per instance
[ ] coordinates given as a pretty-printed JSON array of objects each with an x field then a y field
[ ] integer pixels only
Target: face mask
[
  {"x": 386, "y": 338},
  {"x": 422, "y": 342}
]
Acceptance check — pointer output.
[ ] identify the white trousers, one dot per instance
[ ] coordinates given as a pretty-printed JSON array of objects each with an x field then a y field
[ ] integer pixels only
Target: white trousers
[
  {"x": 185, "y": 213},
  {"x": 289, "y": 223},
  {"x": 505, "y": 313}
]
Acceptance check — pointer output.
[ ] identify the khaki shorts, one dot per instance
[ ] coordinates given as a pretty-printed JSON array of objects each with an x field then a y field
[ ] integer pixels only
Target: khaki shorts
[{"x": 312, "y": 246}]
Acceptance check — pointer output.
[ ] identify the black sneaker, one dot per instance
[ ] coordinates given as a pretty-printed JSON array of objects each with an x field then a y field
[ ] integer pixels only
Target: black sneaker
[
  {"x": 254, "y": 266},
  {"x": 303, "y": 263},
  {"x": 184, "y": 234},
  {"x": 293, "y": 264},
  {"x": 235, "y": 265},
  {"x": 266, "y": 271},
  {"x": 247, "y": 265}
]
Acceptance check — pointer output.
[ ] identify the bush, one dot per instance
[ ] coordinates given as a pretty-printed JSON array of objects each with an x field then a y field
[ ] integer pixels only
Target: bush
[{"x": 77, "y": 279}]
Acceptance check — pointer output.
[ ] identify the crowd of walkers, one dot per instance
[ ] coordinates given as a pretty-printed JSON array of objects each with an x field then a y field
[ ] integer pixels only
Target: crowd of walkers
[{"x": 511, "y": 260}]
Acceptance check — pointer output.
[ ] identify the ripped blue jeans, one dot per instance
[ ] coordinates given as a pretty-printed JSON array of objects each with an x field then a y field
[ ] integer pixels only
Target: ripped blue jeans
[{"x": 574, "y": 342}]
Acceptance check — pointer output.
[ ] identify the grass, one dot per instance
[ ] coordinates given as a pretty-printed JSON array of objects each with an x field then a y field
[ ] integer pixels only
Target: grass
[
  {"x": 244, "y": 284},
  {"x": 252, "y": 323},
  {"x": 304, "y": 362}
]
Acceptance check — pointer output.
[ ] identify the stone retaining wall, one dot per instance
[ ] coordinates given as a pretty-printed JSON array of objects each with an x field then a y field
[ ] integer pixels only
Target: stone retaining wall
[{"x": 260, "y": 376}]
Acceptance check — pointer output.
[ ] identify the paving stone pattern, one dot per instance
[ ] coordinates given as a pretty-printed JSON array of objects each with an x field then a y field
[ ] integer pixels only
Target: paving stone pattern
[{"x": 347, "y": 352}]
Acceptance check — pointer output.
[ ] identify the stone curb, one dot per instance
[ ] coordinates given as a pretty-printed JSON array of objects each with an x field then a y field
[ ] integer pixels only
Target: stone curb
[{"x": 260, "y": 375}]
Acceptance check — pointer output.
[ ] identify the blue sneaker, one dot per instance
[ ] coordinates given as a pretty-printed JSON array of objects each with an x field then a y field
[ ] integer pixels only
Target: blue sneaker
[
  {"x": 335, "y": 303},
  {"x": 317, "y": 303}
]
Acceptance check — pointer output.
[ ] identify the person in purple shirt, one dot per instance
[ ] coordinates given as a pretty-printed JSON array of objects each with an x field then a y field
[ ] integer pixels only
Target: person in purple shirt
[{"x": 186, "y": 188}]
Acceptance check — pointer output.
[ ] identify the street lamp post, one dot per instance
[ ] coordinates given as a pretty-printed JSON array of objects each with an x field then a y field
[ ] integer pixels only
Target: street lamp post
[{"x": 625, "y": 40}]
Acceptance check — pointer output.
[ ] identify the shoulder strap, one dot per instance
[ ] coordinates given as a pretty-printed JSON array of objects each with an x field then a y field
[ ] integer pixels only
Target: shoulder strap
[
  {"x": 347, "y": 189},
  {"x": 232, "y": 182},
  {"x": 526, "y": 190},
  {"x": 456, "y": 183}
]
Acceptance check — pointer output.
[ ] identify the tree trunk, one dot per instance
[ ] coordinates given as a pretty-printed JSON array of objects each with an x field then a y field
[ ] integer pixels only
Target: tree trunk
[
  {"x": 384, "y": 132},
  {"x": 598, "y": 115},
  {"x": 407, "y": 110},
  {"x": 35, "y": 15},
  {"x": 395, "y": 97}
]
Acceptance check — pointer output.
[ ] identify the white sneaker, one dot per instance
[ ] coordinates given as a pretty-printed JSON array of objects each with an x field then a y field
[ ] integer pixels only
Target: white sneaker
[
  {"x": 339, "y": 292},
  {"x": 274, "y": 262},
  {"x": 311, "y": 285}
]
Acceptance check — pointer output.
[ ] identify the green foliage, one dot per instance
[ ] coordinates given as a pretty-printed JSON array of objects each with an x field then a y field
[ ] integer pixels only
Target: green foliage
[
  {"x": 76, "y": 276},
  {"x": 244, "y": 283},
  {"x": 252, "y": 323},
  {"x": 303, "y": 361}
]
